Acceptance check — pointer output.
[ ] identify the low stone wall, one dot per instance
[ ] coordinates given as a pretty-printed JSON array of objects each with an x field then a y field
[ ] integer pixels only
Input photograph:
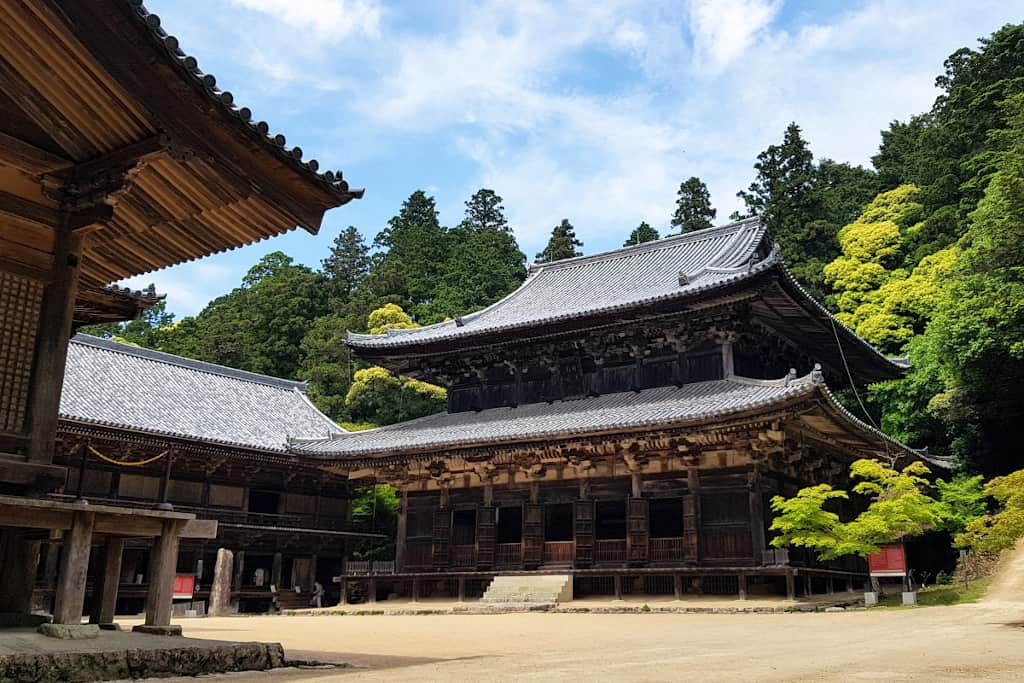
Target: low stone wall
[{"x": 140, "y": 663}]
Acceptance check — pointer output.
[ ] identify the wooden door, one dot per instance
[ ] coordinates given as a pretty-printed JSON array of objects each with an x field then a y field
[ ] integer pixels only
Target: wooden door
[
  {"x": 584, "y": 533},
  {"x": 485, "y": 537},
  {"x": 533, "y": 535},
  {"x": 302, "y": 573},
  {"x": 440, "y": 537},
  {"x": 690, "y": 530},
  {"x": 637, "y": 531}
]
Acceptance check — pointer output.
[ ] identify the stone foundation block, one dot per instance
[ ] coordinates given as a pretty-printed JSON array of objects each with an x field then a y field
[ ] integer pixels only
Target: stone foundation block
[
  {"x": 70, "y": 631},
  {"x": 168, "y": 630}
]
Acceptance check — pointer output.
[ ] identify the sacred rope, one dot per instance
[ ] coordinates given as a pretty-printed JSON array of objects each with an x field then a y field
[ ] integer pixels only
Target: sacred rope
[{"x": 125, "y": 463}]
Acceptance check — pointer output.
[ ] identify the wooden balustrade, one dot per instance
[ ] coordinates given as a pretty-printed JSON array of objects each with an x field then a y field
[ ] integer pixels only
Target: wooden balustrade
[
  {"x": 508, "y": 554},
  {"x": 610, "y": 551},
  {"x": 418, "y": 555},
  {"x": 667, "y": 549},
  {"x": 559, "y": 551},
  {"x": 463, "y": 556}
]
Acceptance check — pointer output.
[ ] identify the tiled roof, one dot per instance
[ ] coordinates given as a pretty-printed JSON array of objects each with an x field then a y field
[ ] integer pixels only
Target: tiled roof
[
  {"x": 663, "y": 405},
  {"x": 117, "y": 385},
  {"x": 223, "y": 99},
  {"x": 663, "y": 269}
]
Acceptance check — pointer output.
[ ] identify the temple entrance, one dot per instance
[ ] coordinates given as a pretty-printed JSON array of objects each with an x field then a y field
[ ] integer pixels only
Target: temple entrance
[
  {"x": 463, "y": 539},
  {"x": 666, "y": 516},
  {"x": 264, "y": 502},
  {"x": 558, "y": 522},
  {"x": 508, "y": 547},
  {"x": 610, "y": 532}
]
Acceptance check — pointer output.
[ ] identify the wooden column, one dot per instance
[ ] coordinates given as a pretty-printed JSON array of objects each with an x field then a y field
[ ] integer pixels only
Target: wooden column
[
  {"x": 165, "y": 482},
  {"x": 236, "y": 582},
  {"x": 163, "y": 564},
  {"x": 741, "y": 580},
  {"x": 829, "y": 587},
  {"x": 462, "y": 589},
  {"x": 691, "y": 516},
  {"x": 415, "y": 593},
  {"x": 74, "y": 565},
  {"x": 584, "y": 533},
  {"x": 485, "y": 536},
  {"x": 52, "y": 344},
  {"x": 441, "y": 538},
  {"x": 220, "y": 589},
  {"x": 617, "y": 581},
  {"x": 275, "y": 570},
  {"x": 17, "y": 570},
  {"x": 105, "y": 592},
  {"x": 343, "y": 588},
  {"x": 677, "y": 586},
  {"x": 757, "y": 531},
  {"x": 402, "y": 531},
  {"x": 638, "y": 531},
  {"x": 533, "y": 535},
  {"x": 371, "y": 591},
  {"x": 790, "y": 587},
  {"x": 808, "y": 587}
]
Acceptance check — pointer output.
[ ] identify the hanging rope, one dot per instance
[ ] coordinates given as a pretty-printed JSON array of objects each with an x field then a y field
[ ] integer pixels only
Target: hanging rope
[{"x": 125, "y": 463}]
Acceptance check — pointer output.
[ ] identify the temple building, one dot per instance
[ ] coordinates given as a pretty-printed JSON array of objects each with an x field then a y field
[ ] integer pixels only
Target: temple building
[
  {"x": 149, "y": 430},
  {"x": 118, "y": 157},
  {"x": 623, "y": 419}
]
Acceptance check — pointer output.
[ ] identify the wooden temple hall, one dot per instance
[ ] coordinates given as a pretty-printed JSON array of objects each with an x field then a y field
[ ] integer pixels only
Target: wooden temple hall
[
  {"x": 622, "y": 418},
  {"x": 119, "y": 156}
]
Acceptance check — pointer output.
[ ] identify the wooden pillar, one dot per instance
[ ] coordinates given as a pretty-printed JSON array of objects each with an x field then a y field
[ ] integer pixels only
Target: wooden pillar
[
  {"x": 414, "y": 595},
  {"x": 728, "y": 366},
  {"x": 741, "y": 580},
  {"x": 163, "y": 563},
  {"x": 220, "y": 589},
  {"x": 371, "y": 591},
  {"x": 52, "y": 346},
  {"x": 105, "y": 592},
  {"x": 402, "y": 531},
  {"x": 462, "y": 589},
  {"x": 83, "y": 461},
  {"x": 635, "y": 484},
  {"x": 808, "y": 587},
  {"x": 790, "y": 586},
  {"x": 691, "y": 516},
  {"x": 677, "y": 586},
  {"x": 74, "y": 565},
  {"x": 17, "y": 570},
  {"x": 849, "y": 584},
  {"x": 697, "y": 585},
  {"x": 236, "y": 582},
  {"x": 829, "y": 587},
  {"x": 488, "y": 494},
  {"x": 617, "y": 580},
  {"x": 275, "y": 570},
  {"x": 757, "y": 531},
  {"x": 165, "y": 482},
  {"x": 343, "y": 588}
]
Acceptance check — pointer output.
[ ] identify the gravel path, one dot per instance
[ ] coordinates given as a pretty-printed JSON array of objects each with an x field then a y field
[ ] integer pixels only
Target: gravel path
[{"x": 968, "y": 642}]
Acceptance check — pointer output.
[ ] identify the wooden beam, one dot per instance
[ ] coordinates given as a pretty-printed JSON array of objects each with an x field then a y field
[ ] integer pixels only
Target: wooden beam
[
  {"x": 29, "y": 158},
  {"x": 39, "y": 110}
]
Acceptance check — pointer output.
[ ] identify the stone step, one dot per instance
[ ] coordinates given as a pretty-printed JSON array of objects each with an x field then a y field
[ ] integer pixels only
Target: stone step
[{"x": 543, "y": 589}]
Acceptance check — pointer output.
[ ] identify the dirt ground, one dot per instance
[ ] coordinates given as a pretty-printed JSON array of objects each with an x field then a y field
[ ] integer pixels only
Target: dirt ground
[{"x": 966, "y": 642}]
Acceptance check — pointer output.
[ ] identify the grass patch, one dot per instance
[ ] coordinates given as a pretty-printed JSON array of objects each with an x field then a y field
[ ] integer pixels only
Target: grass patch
[{"x": 934, "y": 596}]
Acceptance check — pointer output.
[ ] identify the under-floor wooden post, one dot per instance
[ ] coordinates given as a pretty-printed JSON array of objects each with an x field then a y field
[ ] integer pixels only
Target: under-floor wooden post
[
  {"x": 697, "y": 584},
  {"x": 849, "y": 585},
  {"x": 677, "y": 586},
  {"x": 74, "y": 566},
  {"x": 343, "y": 598},
  {"x": 105, "y": 593},
  {"x": 618, "y": 586},
  {"x": 275, "y": 571},
  {"x": 741, "y": 580},
  {"x": 371, "y": 591},
  {"x": 462, "y": 589},
  {"x": 415, "y": 595},
  {"x": 830, "y": 587},
  {"x": 808, "y": 586},
  {"x": 236, "y": 582},
  {"x": 400, "y": 535},
  {"x": 790, "y": 587},
  {"x": 163, "y": 563},
  {"x": 17, "y": 571}
]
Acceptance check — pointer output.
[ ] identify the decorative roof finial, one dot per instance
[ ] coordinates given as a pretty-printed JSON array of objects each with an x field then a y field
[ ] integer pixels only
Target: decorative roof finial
[
  {"x": 817, "y": 376},
  {"x": 684, "y": 279}
]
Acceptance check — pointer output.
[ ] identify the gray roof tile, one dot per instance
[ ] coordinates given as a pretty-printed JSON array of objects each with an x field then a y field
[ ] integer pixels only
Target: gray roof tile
[{"x": 123, "y": 386}]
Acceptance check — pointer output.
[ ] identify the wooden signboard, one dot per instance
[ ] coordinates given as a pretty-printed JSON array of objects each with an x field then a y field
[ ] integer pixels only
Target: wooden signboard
[{"x": 889, "y": 561}]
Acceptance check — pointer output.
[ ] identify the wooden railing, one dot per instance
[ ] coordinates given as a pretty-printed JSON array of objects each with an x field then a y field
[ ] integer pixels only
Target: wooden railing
[
  {"x": 559, "y": 551},
  {"x": 610, "y": 551},
  {"x": 368, "y": 567},
  {"x": 508, "y": 554},
  {"x": 463, "y": 556},
  {"x": 775, "y": 556},
  {"x": 667, "y": 549}
]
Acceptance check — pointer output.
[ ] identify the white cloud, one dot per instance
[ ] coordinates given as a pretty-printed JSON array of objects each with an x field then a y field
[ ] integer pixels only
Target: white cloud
[
  {"x": 724, "y": 29},
  {"x": 327, "y": 20}
]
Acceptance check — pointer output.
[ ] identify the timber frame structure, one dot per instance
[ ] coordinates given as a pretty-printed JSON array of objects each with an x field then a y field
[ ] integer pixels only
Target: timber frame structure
[
  {"x": 622, "y": 415},
  {"x": 118, "y": 157}
]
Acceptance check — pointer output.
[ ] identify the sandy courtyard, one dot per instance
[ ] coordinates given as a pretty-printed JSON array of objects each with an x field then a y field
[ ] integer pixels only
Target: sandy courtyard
[{"x": 968, "y": 642}]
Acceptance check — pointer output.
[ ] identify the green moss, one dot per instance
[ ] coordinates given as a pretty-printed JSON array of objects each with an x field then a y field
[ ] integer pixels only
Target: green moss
[{"x": 356, "y": 426}]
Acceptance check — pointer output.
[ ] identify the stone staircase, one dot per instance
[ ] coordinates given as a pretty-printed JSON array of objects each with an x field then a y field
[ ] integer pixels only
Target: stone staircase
[{"x": 540, "y": 589}]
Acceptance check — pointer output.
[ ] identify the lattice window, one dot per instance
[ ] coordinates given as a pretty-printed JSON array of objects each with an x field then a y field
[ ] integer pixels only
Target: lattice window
[{"x": 20, "y": 302}]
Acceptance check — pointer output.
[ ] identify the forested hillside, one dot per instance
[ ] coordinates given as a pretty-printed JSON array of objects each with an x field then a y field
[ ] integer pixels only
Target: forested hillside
[{"x": 920, "y": 254}]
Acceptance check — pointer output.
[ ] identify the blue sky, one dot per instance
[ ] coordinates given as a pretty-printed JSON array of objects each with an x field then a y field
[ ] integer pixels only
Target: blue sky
[{"x": 593, "y": 111}]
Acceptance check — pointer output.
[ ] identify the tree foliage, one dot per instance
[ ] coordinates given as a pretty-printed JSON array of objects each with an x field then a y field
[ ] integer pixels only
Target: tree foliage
[
  {"x": 1001, "y": 530},
  {"x": 898, "y": 508},
  {"x": 642, "y": 233},
  {"x": 562, "y": 244},
  {"x": 693, "y": 206}
]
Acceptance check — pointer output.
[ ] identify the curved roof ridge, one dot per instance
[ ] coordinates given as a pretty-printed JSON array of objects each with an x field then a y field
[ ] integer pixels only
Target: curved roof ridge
[
  {"x": 650, "y": 245},
  {"x": 189, "y": 363}
]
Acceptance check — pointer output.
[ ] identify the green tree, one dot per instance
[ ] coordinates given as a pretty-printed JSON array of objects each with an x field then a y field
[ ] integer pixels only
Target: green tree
[
  {"x": 327, "y": 363},
  {"x": 961, "y": 501},
  {"x": 1001, "y": 530},
  {"x": 783, "y": 194},
  {"x": 380, "y": 397},
  {"x": 389, "y": 317},
  {"x": 898, "y": 508},
  {"x": 642, "y": 233},
  {"x": 693, "y": 206},
  {"x": 347, "y": 264},
  {"x": 562, "y": 244},
  {"x": 485, "y": 262}
]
